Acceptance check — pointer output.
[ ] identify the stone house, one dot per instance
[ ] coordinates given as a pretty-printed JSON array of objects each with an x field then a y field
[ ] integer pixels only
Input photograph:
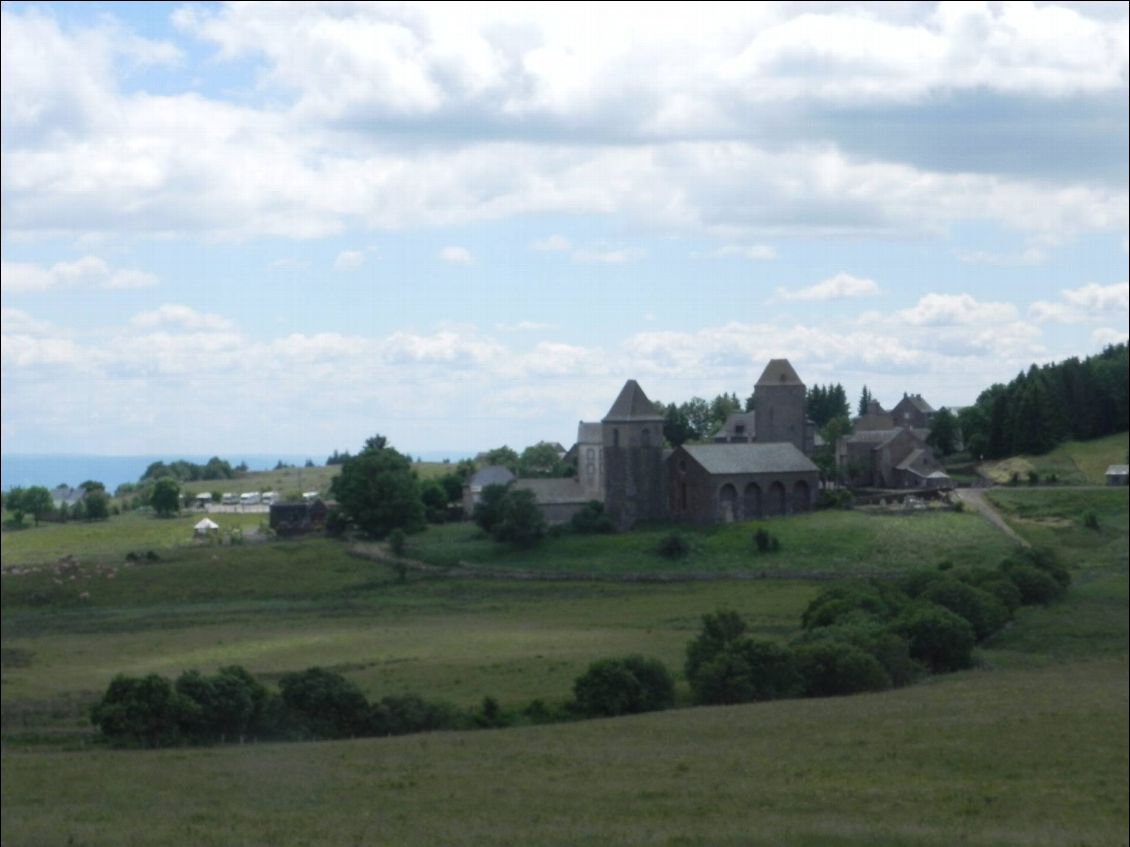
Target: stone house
[
  {"x": 480, "y": 479},
  {"x": 721, "y": 483},
  {"x": 889, "y": 458}
]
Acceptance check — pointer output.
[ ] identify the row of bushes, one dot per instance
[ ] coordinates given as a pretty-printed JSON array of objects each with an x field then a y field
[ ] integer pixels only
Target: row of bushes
[{"x": 860, "y": 637}]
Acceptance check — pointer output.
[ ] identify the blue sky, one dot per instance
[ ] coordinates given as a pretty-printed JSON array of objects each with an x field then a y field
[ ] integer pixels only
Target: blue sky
[{"x": 283, "y": 228}]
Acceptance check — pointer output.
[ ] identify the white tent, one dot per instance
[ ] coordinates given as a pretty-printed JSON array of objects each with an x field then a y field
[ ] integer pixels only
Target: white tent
[{"x": 204, "y": 526}]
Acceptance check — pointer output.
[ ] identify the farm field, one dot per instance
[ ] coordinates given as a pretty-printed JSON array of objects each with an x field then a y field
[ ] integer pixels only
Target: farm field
[
  {"x": 298, "y": 479},
  {"x": 1030, "y": 748}
]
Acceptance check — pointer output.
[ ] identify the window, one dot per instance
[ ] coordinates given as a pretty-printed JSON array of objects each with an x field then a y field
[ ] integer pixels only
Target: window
[{"x": 645, "y": 438}]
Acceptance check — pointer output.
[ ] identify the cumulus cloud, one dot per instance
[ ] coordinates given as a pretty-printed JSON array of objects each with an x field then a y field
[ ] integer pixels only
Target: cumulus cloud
[
  {"x": 455, "y": 255},
  {"x": 89, "y": 271},
  {"x": 349, "y": 260},
  {"x": 552, "y": 244},
  {"x": 1106, "y": 336},
  {"x": 842, "y": 286},
  {"x": 181, "y": 317},
  {"x": 1090, "y": 303},
  {"x": 956, "y": 309},
  {"x": 607, "y": 255},
  {"x": 753, "y": 252}
]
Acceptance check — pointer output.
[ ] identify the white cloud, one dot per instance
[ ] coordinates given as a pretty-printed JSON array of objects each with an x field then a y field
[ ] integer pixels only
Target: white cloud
[
  {"x": 552, "y": 244},
  {"x": 182, "y": 317},
  {"x": 455, "y": 255},
  {"x": 842, "y": 286},
  {"x": 524, "y": 326},
  {"x": 1106, "y": 336},
  {"x": 607, "y": 255},
  {"x": 753, "y": 252},
  {"x": 89, "y": 271},
  {"x": 1090, "y": 303},
  {"x": 1029, "y": 256},
  {"x": 956, "y": 309},
  {"x": 349, "y": 260}
]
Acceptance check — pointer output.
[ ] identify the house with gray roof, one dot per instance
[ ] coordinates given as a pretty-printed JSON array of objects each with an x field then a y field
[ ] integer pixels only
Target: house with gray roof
[
  {"x": 1118, "y": 475},
  {"x": 720, "y": 483},
  {"x": 480, "y": 479}
]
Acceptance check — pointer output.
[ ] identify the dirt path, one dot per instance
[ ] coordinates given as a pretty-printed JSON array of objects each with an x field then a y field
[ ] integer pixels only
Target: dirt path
[{"x": 974, "y": 498}]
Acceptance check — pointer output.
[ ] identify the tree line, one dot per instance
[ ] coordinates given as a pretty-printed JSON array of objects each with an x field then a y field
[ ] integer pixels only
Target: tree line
[{"x": 1045, "y": 406}]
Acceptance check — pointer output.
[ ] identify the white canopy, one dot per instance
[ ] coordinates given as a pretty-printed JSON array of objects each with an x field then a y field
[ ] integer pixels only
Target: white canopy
[{"x": 206, "y": 525}]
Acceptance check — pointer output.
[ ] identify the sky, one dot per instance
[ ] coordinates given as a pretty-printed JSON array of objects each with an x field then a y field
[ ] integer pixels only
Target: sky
[{"x": 283, "y": 228}]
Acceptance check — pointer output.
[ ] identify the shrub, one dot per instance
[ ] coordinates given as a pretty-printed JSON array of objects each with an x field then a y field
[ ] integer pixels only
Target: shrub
[
  {"x": 726, "y": 666},
  {"x": 406, "y": 713},
  {"x": 396, "y": 541},
  {"x": 995, "y": 583},
  {"x": 833, "y": 605},
  {"x": 875, "y": 638},
  {"x": 834, "y": 498},
  {"x": 1046, "y": 560},
  {"x": 938, "y": 638},
  {"x": 764, "y": 542},
  {"x": 1037, "y": 587},
  {"x": 625, "y": 686},
  {"x": 592, "y": 519},
  {"x": 984, "y": 612},
  {"x": 325, "y": 704},
  {"x": 673, "y": 546},
  {"x": 520, "y": 519},
  {"x": 832, "y": 667},
  {"x": 144, "y": 711}
]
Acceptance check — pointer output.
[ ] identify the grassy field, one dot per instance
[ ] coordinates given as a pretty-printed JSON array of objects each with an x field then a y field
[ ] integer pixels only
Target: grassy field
[
  {"x": 837, "y": 542},
  {"x": 112, "y": 539},
  {"x": 1028, "y": 749},
  {"x": 1075, "y": 462},
  {"x": 283, "y": 481}
]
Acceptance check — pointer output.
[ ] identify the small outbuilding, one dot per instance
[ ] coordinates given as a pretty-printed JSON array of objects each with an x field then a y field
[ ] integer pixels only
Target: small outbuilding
[{"x": 1118, "y": 475}]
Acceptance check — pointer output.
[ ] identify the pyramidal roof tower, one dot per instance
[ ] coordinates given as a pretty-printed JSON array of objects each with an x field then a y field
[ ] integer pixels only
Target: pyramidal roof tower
[
  {"x": 779, "y": 372},
  {"x": 633, "y": 405}
]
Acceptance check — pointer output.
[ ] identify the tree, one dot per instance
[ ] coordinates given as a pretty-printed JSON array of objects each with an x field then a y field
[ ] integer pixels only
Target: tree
[
  {"x": 540, "y": 460},
  {"x": 503, "y": 455},
  {"x": 943, "y": 432},
  {"x": 627, "y": 686},
  {"x": 14, "y": 503},
  {"x": 435, "y": 499},
  {"x": 35, "y": 501},
  {"x": 145, "y": 711},
  {"x": 97, "y": 505},
  {"x": 676, "y": 426},
  {"x": 520, "y": 519},
  {"x": 326, "y": 704},
  {"x": 377, "y": 490},
  {"x": 165, "y": 498},
  {"x": 865, "y": 399}
]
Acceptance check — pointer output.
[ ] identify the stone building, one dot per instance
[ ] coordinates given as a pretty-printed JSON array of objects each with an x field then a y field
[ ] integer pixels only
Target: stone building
[
  {"x": 632, "y": 453},
  {"x": 889, "y": 449},
  {"x": 720, "y": 483}
]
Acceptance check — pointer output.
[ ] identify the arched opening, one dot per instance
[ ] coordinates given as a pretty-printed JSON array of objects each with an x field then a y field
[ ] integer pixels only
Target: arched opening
[
  {"x": 645, "y": 438},
  {"x": 727, "y": 503},
  {"x": 802, "y": 496},
  {"x": 751, "y": 501},
  {"x": 615, "y": 438},
  {"x": 775, "y": 504}
]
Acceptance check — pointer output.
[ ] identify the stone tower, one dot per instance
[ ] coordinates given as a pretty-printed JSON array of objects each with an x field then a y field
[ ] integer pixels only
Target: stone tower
[
  {"x": 634, "y": 474},
  {"x": 779, "y": 403}
]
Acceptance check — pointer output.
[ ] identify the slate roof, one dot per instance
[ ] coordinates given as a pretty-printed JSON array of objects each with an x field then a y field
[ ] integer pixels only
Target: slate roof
[
  {"x": 779, "y": 372},
  {"x": 491, "y": 475},
  {"x": 874, "y": 436},
  {"x": 911, "y": 457},
  {"x": 746, "y": 419},
  {"x": 917, "y": 402},
  {"x": 553, "y": 491},
  {"x": 750, "y": 458},
  {"x": 633, "y": 405}
]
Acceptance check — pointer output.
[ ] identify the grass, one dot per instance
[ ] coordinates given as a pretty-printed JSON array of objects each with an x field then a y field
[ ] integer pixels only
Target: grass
[
  {"x": 284, "y": 481},
  {"x": 110, "y": 539},
  {"x": 1074, "y": 462},
  {"x": 1029, "y": 749},
  {"x": 1023, "y": 757},
  {"x": 837, "y": 542}
]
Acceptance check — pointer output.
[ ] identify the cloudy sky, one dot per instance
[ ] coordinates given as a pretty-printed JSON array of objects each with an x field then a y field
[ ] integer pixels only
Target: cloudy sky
[{"x": 283, "y": 228}]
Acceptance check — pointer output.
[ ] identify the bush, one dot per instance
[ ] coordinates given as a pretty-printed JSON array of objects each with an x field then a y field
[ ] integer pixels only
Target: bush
[
  {"x": 995, "y": 583},
  {"x": 938, "y": 638},
  {"x": 1047, "y": 561},
  {"x": 406, "y": 713},
  {"x": 324, "y": 704},
  {"x": 145, "y": 711},
  {"x": 836, "y": 604},
  {"x": 396, "y": 541},
  {"x": 764, "y": 542},
  {"x": 673, "y": 546},
  {"x": 875, "y": 638},
  {"x": 834, "y": 498},
  {"x": 520, "y": 519},
  {"x": 592, "y": 519},
  {"x": 830, "y": 668},
  {"x": 1037, "y": 587},
  {"x": 726, "y": 666},
  {"x": 984, "y": 612},
  {"x": 625, "y": 686}
]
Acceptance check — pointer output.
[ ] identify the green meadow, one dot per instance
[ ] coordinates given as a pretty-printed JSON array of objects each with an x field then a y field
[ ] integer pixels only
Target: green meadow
[
  {"x": 1029, "y": 748},
  {"x": 1073, "y": 462}
]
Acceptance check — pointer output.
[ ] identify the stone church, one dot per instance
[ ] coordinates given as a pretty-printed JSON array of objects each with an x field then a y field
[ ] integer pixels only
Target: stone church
[{"x": 760, "y": 471}]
